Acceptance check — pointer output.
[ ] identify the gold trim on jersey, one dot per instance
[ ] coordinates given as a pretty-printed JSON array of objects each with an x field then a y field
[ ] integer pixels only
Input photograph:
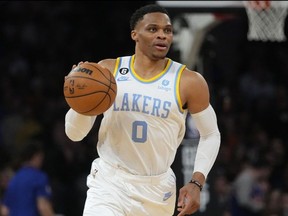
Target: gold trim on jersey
[
  {"x": 177, "y": 86},
  {"x": 152, "y": 78},
  {"x": 117, "y": 64}
]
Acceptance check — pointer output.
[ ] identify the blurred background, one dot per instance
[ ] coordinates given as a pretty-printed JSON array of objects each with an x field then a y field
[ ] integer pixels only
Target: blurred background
[{"x": 247, "y": 76}]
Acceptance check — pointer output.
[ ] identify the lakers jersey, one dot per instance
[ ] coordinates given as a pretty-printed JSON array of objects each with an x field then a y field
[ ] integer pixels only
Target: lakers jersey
[{"x": 141, "y": 132}]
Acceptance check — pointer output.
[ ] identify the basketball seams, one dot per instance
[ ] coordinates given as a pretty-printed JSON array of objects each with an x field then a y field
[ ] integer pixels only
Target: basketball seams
[
  {"x": 70, "y": 77},
  {"x": 87, "y": 94},
  {"x": 100, "y": 102},
  {"x": 104, "y": 75},
  {"x": 108, "y": 86},
  {"x": 90, "y": 90},
  {"x": 100, "y": 71}
]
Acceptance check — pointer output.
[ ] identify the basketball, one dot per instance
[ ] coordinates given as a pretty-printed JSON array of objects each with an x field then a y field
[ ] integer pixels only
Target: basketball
[{"x": 90, "y": 89}]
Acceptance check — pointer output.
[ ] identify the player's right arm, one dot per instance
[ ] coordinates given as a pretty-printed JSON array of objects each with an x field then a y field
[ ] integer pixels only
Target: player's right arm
[{"x": 77, "y": 126}]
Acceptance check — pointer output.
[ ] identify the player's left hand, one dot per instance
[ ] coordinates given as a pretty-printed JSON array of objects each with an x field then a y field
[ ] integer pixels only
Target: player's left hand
[{"x": 188, "y": 200}]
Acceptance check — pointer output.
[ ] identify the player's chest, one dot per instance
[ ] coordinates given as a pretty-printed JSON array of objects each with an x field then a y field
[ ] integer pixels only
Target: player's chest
[
  {"x": 162, "y": 88},
  {"x": 147, "y": 97}
]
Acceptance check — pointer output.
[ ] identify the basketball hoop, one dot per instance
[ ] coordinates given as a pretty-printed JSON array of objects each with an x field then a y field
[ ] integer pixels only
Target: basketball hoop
[{"x": 266, "y": 20}]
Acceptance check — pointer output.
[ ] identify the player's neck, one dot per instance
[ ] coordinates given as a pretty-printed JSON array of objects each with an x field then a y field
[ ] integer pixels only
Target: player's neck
[{"x": 147, "y": 68}]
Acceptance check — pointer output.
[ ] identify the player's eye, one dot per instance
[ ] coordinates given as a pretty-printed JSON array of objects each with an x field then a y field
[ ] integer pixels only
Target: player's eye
[
  {"x": 152, "y": 29},
  {"x": 168, "y": 31}
]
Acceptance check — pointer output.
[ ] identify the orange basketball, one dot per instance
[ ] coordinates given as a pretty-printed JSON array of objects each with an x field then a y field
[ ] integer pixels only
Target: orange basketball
[{"x": 90, "y": 89}]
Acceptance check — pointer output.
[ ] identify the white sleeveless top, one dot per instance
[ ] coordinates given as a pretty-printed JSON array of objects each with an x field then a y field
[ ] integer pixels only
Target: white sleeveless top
[{"x": 141, "y": 132}]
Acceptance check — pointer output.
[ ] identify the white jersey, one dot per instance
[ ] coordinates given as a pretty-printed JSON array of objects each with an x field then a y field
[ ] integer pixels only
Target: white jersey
[{"x": 141, "y": 132}]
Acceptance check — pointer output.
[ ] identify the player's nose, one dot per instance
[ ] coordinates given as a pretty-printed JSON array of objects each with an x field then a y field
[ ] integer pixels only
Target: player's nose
[{"x": 161, "y": 34}]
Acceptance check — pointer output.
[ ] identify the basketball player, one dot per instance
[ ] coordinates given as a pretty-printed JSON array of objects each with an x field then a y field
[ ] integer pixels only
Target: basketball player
[{"x": 139, "y": 135}]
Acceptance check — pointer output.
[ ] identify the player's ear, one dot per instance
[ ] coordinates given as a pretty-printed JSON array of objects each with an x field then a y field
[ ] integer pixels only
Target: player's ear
[{"x": 134, "y": 35}]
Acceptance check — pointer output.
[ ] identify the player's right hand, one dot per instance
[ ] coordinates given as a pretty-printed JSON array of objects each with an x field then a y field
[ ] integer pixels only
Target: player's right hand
[{"x": 81, "y": 62}]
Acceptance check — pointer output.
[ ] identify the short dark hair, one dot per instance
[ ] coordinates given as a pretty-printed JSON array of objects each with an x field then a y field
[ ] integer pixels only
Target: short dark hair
[{"x": 139, "y": 13}]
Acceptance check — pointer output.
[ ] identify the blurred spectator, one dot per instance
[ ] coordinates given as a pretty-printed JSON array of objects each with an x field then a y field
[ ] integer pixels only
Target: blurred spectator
[
  {"x": 28, "y": 192},
  {"x": 6, "y": 173},
  {"x": 249, "y": 189},
  {"x": 284, "y": 203},
  {"x": 274, "y": 204},
  {"x": 220, "y": 196},
  {"x": 277, "y": 158}
]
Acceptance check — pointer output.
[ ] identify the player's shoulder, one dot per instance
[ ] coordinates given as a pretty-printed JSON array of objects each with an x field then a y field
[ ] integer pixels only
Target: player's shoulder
[
  {"x": 187, "y": 73},
  {"x": 110, "y": 63},
  {"x": 193, "y": 78},
  {"x": 107, "y": 61},
  {"x": 193, "y": 74}
]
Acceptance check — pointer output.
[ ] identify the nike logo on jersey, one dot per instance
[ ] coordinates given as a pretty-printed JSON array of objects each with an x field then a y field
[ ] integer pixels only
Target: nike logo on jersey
[
  {"x": 123, "y": 78},
  {"x": 167, "y": 195}
]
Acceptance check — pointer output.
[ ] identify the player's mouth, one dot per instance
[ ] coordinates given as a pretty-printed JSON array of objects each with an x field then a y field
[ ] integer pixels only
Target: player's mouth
[{"x": 161, "y": 46}]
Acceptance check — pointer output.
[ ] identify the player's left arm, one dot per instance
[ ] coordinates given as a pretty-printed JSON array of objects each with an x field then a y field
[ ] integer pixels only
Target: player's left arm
[{"x": 194, "y": 92}]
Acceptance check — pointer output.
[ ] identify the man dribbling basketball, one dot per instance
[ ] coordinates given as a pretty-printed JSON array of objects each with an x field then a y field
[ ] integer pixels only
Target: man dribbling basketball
[{"x": 139, "y": 135}]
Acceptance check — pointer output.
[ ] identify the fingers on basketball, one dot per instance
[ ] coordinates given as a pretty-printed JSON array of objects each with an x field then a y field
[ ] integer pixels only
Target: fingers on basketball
[{"x": 90, "y": 89}]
